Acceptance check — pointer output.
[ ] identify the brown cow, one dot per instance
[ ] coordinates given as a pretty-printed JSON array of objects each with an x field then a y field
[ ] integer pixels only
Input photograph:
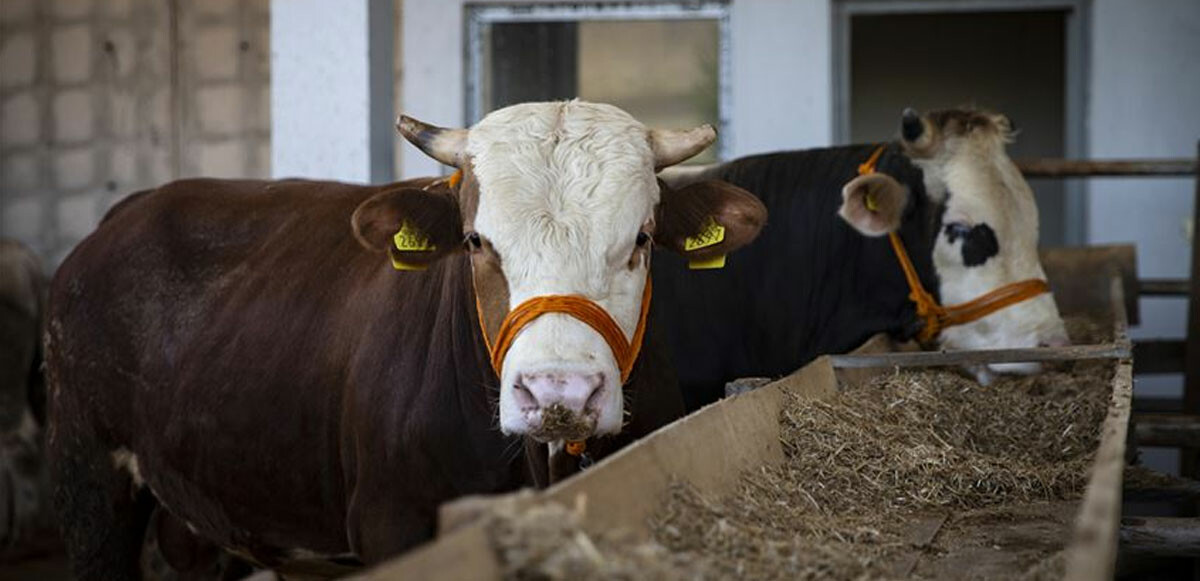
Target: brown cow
[{"x": 216, "y": 327}]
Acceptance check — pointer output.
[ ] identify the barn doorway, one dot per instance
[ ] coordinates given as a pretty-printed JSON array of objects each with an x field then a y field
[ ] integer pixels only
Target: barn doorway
[
  {"x": 1015, "y": 62},
  {"x": 664, "y": 63}
]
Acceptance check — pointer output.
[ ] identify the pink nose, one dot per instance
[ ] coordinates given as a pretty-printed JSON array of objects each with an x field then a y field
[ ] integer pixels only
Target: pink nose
[{"x": 570, "y": 390}]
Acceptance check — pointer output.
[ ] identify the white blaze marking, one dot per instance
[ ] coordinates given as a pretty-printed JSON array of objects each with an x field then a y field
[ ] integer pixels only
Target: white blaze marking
[{"x": 563, "y": 190}]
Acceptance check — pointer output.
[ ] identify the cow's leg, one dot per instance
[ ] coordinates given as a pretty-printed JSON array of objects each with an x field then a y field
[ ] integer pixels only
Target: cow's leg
[{"x": 103, "y": 514}]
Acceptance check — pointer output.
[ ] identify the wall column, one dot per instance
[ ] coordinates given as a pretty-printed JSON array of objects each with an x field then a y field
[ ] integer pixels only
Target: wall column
[{"x": 331, "y": 90}]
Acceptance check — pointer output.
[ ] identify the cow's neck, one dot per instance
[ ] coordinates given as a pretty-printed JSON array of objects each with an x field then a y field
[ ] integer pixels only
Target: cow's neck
[
  {"x": 918, "y": 232},
  {"x": 448, "y": 358}
]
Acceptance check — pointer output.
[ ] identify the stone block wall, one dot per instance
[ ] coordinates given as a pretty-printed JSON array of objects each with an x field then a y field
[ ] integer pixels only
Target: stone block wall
[{"x": 101, "y": 98}]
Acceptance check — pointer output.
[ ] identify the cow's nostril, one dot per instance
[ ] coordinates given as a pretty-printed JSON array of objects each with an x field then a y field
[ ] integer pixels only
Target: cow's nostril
[
  {"x": 597, "y": 386},
  {"x": 523, "y": 396}
]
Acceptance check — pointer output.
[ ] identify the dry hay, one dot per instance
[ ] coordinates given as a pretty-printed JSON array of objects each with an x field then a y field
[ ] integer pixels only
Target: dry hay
[
  {"x": 862, "y": 467},
  {"x": 547, "y": 542}
]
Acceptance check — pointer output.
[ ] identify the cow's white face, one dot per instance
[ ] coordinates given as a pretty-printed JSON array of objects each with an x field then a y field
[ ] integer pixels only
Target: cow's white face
[
  {"x": 988, "y": 232},
  {"x": 559, "y": 199},
  {"x": 564, "y": 191}
]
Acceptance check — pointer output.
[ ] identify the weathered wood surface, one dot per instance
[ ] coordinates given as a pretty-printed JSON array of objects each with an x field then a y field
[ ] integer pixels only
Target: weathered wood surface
[
  {"x": 1064, "y": 168},
  {"x": 1092, "y": 554},
  {"x": 1161, "y": 536},
  {"x": 1168, "y": 287},
  {"x": 1169, "y": 430},
  {"x": 1145, "y": 485},
  {"x": 1073, "y": 274},
  {"x": 1120, "y": 350}
]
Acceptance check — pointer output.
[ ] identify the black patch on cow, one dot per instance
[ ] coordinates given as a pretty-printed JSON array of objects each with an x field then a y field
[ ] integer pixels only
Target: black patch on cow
[
  {"x": 911, "y": 127},
  {"x": 979, "y": 242}
]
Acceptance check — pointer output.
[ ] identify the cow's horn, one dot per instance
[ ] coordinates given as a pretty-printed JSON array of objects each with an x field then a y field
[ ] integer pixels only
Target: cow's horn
[
  {"x": 671, "y": 146},
  {"x": 445, "y": 145}
]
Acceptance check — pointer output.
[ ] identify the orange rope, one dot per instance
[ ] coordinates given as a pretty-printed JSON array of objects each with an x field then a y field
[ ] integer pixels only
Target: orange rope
[
  {"x": 937, "y": 317},
  {"x": 625, "y": 351}
]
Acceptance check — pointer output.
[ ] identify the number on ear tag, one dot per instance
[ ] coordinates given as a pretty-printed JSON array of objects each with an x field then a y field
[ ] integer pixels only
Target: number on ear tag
[
  {"x": 409, "y": 239},
  {"x": 710, "y": 264},
  {"x": 711, "y": 234}
]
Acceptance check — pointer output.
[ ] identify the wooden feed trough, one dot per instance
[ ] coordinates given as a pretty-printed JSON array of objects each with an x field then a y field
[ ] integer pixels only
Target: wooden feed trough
[{"x": 713, "y": 447}]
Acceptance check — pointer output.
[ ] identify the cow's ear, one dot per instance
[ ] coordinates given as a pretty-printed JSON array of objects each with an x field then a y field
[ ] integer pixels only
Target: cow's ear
[
  {"x": 414, "y": 227},
  {"x": 706, "y": 220},
  {"x": 874, "y": 203}
]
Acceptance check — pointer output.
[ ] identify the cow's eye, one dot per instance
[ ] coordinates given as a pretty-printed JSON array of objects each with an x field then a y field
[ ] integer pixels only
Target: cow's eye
[
  {"x": 643, "y": 239},
  {"x": 473, "y": 241}
]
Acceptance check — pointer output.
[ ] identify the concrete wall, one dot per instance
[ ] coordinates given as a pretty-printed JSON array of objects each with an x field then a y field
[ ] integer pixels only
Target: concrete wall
[
  {"x": 102, "y": 98},
  {"x": 780, "y": 61},
  {"x": 1144, "y": 101}
]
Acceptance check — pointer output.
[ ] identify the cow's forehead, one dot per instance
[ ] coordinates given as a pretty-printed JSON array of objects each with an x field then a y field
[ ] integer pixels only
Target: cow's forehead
[{"x": 566, "y": 173}]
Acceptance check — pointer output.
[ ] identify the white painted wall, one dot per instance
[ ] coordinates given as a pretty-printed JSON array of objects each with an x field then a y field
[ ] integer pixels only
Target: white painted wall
[
  {"x": 780, "y": 60},
  {"x": 331, "y": 96},
  {"x": 782, "y": 75},
  {"x": 1144, "y": 101},
  {"x": 432, "y": 44}
]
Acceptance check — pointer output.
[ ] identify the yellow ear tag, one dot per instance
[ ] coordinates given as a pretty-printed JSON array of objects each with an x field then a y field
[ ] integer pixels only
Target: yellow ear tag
[
  {"x": 711, "y": 235},
  {"x": 870, "y": 202},
  {"x": 710, "y": 264},
  {"x": 409, "y": 239}
]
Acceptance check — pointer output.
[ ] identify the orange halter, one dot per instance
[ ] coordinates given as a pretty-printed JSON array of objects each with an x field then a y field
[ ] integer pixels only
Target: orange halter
[
  {"x": 582, "y": 308},
  {"x": 937, "y": 317},
  {"x": 579, "y": 307}
]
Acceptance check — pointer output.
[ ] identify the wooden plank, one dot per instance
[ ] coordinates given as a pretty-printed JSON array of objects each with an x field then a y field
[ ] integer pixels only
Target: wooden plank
[
  {"x": 1169, "y": 430},
  {"x": 1062, "y": 168},
  {"x": 1190, "y": 458},
  {"x": 1160, "y": 536},
  {"x": 1073, "y": 272},
  {"x": 954, "y": 358},
  {"x": 1158, "y": 356},
  {"x": 464, "y": 554},
  {"x": 1092, "y": 554},
  {"x": 1165, "y": 488},
  {"x": 1164, "y": 287},
  {"x": 877, "y": 344}
]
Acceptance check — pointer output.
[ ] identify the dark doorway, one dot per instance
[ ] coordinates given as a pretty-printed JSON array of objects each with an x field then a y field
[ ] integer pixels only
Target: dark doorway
[{"x": 1011, "y": 62}]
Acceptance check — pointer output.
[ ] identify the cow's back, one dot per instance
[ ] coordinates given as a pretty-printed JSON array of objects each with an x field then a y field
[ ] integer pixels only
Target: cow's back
[
  {"x": 808, "y": 285},
  {"x": 194, "y": 333}
]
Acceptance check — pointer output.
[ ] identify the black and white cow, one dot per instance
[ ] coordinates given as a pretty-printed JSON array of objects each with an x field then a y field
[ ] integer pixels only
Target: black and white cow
[{"x": 814, "y": 284}]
